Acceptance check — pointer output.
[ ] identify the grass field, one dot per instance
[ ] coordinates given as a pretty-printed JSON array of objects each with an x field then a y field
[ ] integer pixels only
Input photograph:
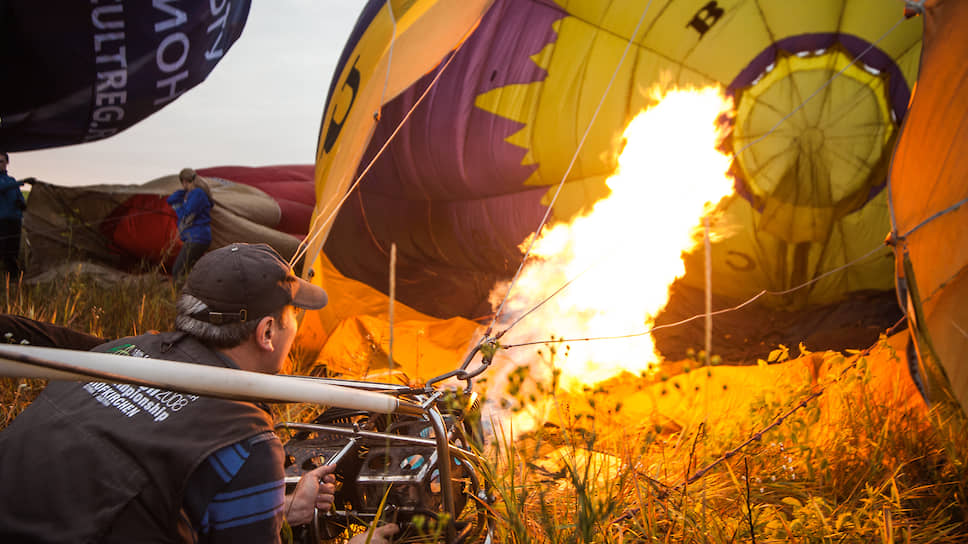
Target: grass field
[{"x": 693, "y": 455}]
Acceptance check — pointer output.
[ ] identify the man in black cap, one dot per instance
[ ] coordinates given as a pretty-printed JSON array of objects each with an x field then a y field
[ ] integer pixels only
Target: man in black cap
[{"x": 101, "y": 462}]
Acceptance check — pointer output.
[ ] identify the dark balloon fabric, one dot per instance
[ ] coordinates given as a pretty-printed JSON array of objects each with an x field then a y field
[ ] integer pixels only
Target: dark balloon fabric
[{"x": 80, "y": 71}]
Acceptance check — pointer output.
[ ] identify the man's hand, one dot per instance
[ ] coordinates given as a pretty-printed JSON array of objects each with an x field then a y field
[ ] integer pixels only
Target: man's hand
[
  {"x": 380, "y": 535},
  {"x": 316, "y": 489}
]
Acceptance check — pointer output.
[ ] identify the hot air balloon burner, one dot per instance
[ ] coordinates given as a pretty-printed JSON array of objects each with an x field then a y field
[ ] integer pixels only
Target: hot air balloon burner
[{"x": 419, "y": 471}]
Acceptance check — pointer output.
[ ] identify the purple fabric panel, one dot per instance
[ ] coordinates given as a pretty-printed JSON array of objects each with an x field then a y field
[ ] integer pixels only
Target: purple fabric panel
[
  {"x": 449, "y": 190},
  {"x": 464, "y": 233},
  {"x": 449, "y": 253},
  {"x": 449, "y": 149},
  {"x": 900, "y": 94}
]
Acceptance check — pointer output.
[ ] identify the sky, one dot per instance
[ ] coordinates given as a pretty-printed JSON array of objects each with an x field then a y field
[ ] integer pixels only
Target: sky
[{"x": 261, "y": 105}]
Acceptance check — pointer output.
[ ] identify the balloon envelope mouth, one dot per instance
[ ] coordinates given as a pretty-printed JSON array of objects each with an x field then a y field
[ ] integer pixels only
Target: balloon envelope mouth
[{"x": 818, "y": 111}]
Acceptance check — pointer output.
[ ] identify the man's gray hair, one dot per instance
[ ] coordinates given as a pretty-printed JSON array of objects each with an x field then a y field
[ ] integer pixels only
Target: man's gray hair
[{"x": 223, "y": 336}]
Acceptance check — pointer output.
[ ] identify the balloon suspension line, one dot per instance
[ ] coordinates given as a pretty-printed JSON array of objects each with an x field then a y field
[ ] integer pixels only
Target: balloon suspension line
[
  {"x": 900, "y": 239},
  {"x": 393, "y": 296},
  {"x": 571, "y": 164},
  {"x": 707, "y": 247},
  {"x": 778, "y": 420},
  {"x": 949, "y": 209},
  {"x": 707, "y": 315},
  {"x": 393, "y": 246},
  {"x": 316, "y": 227}
]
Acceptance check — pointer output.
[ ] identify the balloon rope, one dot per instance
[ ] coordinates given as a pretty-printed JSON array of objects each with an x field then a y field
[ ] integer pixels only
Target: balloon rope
[
  {"x": 898, "y": 240},
  {"x": 787, "y": 410},
  {"x": 708, "y": 249},
  {"x": 947, "y": 210},
  {"x": 744, "y": 148},
  {"x": 822, "y": 87},
  {"x": 703, "y": 315},
  {"x": 393, "y": 296},
  {"x": 393, "y": 247},
  {"x": 316, "y": 227},
  {"x": 564, "y": 177}
]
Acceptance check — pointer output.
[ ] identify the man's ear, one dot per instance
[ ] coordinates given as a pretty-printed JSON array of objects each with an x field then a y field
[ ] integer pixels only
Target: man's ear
[{"x": 263, "y": 333}]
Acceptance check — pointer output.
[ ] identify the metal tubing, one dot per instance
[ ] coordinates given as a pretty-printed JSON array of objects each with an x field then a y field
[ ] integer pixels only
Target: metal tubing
[
  {"x": 468, "y": 456},
  {"x": 443, "y": 467}
]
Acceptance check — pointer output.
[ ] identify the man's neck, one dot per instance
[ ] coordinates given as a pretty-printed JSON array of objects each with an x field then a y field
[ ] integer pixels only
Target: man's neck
[{"x": 243, "y": 356}]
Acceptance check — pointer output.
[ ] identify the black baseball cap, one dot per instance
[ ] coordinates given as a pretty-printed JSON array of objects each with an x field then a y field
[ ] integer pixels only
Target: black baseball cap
[{"x": 243, "y": 282}]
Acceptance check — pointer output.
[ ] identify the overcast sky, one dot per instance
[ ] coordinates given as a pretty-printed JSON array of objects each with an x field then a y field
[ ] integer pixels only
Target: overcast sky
[{"x": 261, "y": 105}]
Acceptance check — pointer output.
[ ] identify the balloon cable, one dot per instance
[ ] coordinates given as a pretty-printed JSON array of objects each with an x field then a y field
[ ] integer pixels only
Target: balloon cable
[
  {"x": 315, "y": 229},
  {"x": 393, "y": 295},
  {"x": 708, "y": 315},
  {"x": 564, "y": 177},
  {"x": 703, "y": 315},
  {"x": 822, "y": 87}
]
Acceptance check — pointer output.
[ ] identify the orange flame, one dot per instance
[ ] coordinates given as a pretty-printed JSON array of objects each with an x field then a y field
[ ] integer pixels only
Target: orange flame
[{"x": 625, "y": 253}]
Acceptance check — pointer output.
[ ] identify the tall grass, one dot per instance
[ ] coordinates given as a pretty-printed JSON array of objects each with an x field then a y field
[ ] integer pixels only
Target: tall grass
[
  {"x": 843, "y": 464},
  {"x": 109, "y": 309},
  {"x": 831, "y": 460}
]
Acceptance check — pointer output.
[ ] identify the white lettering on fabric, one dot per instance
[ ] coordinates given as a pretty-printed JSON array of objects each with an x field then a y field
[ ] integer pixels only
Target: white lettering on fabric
[
  {"x": 111, "y": 63},
  {"x": 216, "y": 51},
  {"x": 131, "y": 400},
  {"x": 172, "y": 51}
]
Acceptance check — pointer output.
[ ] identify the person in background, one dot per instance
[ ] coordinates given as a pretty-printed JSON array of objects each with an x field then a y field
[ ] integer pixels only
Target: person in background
[
  {"x": 193, "y": 205},
  {"x": 111, "y": 462},
  {"x": 12, "y": 205}
]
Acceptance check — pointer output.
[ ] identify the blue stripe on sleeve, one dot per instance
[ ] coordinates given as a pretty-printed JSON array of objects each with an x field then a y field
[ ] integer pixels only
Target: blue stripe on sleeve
[
  {"x": 228, "y": 460},
  {"x": 246, "y": 506}
]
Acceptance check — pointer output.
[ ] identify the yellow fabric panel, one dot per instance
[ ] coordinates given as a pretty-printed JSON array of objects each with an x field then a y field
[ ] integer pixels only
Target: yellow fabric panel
[
  {"x": 580, "y": 70},
  {"x": 736, "y": 254},
  {"x": 817, "y": 164},
  {"x": 745, "y": 263},
  {"x": 791, "y": 18},
  {"x": 855, "y": 235},
  {"x": 359, "y": 347},
  {"x": 869, "y": 19},
  {"x": 578, "y": 196},
  {"x": 420, "y": 33},
  {"x": 722, "y": 391},
  {"x": 351, "y": 333},
  {"x": 823, "y": 128},
  {"x": 731, "y": 43},
  {"x": 910, "y": 63}
]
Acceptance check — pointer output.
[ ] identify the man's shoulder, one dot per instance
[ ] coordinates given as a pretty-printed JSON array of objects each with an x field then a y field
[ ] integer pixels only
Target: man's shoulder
[
  {"x": 136, "y": 346},
  {"x": 171, "y": 345},
  {"x": 7, "y": 181}
]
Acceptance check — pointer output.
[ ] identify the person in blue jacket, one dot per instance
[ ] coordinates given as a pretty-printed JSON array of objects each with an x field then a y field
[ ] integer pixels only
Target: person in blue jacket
[
  {"x": 193, "y": 205},
  {"x": 12, "y": 205}
]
